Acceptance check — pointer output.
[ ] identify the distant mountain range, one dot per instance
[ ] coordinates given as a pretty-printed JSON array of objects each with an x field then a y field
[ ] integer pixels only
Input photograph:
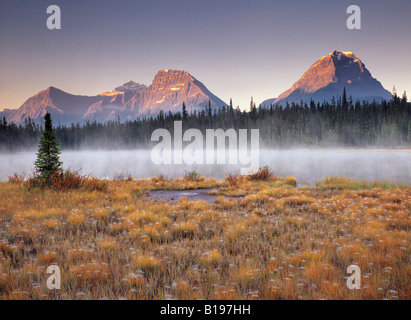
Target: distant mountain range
[
  {"x": 168, "y": 91},
  {"x": 328, "y": 77},
  {"x": 6, "y": 113},
  {"x": 324, "y": 80}
]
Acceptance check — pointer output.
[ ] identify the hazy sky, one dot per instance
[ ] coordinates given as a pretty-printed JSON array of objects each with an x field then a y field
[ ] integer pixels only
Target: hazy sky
[{"x": 237, "y": 48}]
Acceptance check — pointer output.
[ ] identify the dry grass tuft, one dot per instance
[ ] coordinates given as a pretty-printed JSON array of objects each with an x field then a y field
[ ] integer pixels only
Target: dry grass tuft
[{"x": 145, "y": 263}]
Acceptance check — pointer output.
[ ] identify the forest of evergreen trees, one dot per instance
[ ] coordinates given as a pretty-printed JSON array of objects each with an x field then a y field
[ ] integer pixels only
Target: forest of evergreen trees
[{"x": 340, "y": 123}]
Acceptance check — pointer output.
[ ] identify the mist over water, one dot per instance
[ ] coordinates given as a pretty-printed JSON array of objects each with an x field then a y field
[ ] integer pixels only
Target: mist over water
[{"x": 307, "y": 166}]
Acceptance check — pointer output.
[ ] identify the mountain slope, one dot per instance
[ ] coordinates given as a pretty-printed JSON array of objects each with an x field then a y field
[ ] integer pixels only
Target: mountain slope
[
  {"x": 5, "y": 113},
  {"x": 168, "y": 91},
  {"x": 63, "y": 106},
  {"x": 328, "y": 77}
]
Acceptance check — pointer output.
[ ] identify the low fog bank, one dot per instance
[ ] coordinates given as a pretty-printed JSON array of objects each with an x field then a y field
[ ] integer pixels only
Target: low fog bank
[{"x": 307, "y": 166}]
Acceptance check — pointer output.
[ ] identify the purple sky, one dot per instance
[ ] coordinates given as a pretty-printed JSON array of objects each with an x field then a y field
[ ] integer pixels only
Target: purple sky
[{"x": 237, "y": 48}]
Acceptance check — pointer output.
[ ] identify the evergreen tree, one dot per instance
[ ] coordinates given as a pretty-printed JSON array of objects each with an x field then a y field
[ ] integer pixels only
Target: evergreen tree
[
  {"x": 404, "y": 98},
  {"x": 253, "y": 111},
  {"x": 356, "y": 124},
  {"x": 48, "y": 161},
  {"x": 185, "y": 113},
  {"x": 345, "y": 102}
]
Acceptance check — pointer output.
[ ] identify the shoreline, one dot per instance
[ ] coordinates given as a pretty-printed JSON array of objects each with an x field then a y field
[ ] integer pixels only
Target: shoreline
[{"x": 306, "y": 149}]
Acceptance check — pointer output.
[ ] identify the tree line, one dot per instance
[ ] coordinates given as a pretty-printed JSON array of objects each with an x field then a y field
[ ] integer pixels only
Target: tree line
[{"x": 340, "y": 122}]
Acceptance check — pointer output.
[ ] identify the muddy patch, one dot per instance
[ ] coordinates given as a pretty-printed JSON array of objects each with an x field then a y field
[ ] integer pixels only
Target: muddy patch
[{"x": 175, "y": 195}]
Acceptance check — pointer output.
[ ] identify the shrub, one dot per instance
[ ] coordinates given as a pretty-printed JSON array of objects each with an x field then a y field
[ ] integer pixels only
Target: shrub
[
  {"x": 67, "y": 180},
  {"x": 16, "y": 178},
  {"x": 263, "y": 174},
  {"x": 123, "y": 176},
  {"x": 233, "y": 180},
  {"x": 191, "y": 175}
]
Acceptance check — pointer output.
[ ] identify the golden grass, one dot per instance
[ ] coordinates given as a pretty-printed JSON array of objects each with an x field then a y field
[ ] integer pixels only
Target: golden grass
[
  {"x": 354, "y": 184},
  {"x": 262, "y": 239},
  {"x": 145, "y": 263}
]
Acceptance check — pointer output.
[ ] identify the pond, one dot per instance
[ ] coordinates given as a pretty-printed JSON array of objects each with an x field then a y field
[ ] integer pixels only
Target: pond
[{"x": 307, "y": 166}]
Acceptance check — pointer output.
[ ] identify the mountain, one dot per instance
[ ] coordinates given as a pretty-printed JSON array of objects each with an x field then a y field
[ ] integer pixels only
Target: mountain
[
  {"x": 168, "y": 91},
  {"x": 128, "y": 87},
  {"x": 131, "y": 86},
  {"x": 5, "y": 113},
  {"x": 328, "y": 77},
  {"x": 63, "y": 107}
]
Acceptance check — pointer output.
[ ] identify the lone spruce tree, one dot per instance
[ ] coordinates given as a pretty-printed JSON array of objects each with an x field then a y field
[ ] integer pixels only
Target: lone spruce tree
[{"x": 48, "y": 161}]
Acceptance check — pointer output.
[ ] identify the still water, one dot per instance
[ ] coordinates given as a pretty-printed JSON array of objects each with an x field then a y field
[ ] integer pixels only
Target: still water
[{"x": 307, "y": 166}]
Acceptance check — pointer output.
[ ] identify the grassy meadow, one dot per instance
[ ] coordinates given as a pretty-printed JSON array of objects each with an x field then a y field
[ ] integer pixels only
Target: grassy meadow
[{"x": 262, "y": 238}]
